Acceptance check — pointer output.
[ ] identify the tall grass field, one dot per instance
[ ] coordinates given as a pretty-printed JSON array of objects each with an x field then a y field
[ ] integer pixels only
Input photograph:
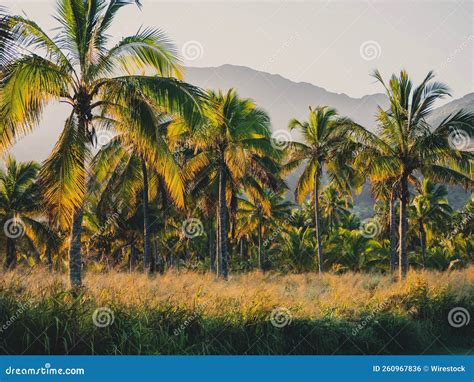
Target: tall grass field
[{"x": 253, "y": 313}]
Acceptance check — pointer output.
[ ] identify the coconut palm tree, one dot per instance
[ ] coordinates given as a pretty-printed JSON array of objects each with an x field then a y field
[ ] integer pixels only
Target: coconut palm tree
[
  {"x": 80, "y": 68},
  {"x": 19, "y": 208},
  {"x": 431, "y": 207},
  {"x": 407, "y": 144},
  {"x": 127, "y": 156},
  {"x": 335, "y": 210},
  {"x": 262, "y": 212},
  {"x": 324, "y": 135},
  {"x": 231, "y": 146}
]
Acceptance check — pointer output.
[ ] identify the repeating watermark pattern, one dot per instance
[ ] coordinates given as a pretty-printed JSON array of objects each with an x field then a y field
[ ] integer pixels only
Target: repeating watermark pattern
[
  {"x": 14, "y": 228},
  {"x": 103, "y": 317},
  {"x": 103, "y": 138},
  {"x": 110, "y": 220},
  {"x": 192, "y": 228},
  {"x": 460, "y": 140},
  {"x": 21, "y": 308},
  {"x": 369, "y": 228},
  {"x": 362, "y": 324},
  {"x": 187, "y": 322},
  {"x": 280, "y": 317},
  {"x": 459, "y": 317},
  {"x": 467, "y": 218},
  {"x": 281, "y": 139},
  {"x": 286, "y": 44},
  {"x": 370, "y": 50},
  {"x": 192, "y": 50},
  {"x": 458, "y": 50},
  {"x": 280, "y": 228}
]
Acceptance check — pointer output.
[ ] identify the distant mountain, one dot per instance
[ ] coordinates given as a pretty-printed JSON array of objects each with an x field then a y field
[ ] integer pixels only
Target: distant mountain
[
  {"x": 466, "y": 103},
  {"x": 282, "y": 98}
]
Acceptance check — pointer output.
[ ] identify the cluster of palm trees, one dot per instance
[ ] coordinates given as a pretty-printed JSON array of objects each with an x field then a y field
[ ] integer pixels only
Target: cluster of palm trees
[{"x": 141, "y": 153}]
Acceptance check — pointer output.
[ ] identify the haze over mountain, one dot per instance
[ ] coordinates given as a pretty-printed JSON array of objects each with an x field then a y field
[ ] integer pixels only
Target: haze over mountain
[{"x": 283, "y": 99}]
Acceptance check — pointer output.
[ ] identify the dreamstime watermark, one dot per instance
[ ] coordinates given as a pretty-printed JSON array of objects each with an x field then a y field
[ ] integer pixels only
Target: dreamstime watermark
[
  {"x": 103, "y": 317},
  {"x": 188, "y": 321},
  {"x": 103, "y": 138},
  {"x": 14, "y": 228},
  {"x": 469, "y": 39},
  {"x": 362, "y": 324},
  {"x": 467, "y": 218},
  {"x": 281, "y": 139},
  {"x": 44, "y": 370},
  {"x": 192, "y": 50},
  {"x": 460, "y": 140},
  {"x": 285, "y": 45},
  {"x": 22, "y": 307},
  {"x": 370, "y": 50},
  {"x": 280, "y": 317},
  {"x": 109, "y": 221},
  {"x": 369, "y": 228},
  {"x": 192, "y": 228},
  {"x": 459, "y": 317},
  {"x": 281, "y": 227}
]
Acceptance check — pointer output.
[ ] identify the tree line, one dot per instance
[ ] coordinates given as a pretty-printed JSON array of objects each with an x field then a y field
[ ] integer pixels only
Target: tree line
[{"x": 152, "y": 172}]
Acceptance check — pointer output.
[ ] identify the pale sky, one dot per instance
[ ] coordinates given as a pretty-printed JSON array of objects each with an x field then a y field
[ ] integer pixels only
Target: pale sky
[{"x": 332, "y": 44}]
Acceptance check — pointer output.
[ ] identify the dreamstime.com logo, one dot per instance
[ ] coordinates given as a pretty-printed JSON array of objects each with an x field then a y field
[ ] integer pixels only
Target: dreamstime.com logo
[
  {"x": 459, "y": 317},
  {"x": 103, "y": 317},
  {"x": 44, "y": 370},
  {"x": 14, "y": 228},
  {"x": 280, "y": 317}
]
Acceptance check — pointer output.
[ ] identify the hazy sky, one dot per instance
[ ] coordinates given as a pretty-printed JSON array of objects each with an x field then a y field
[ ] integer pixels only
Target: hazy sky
[{"x": 333, "y": 44}]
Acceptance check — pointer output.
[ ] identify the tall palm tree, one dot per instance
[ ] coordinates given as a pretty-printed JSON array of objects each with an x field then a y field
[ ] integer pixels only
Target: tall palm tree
[
  {"x": 19, "y": 209},
  {"x": 408, "y": 144},
  {"x": 80, "y": 68},
  {"x": 231, "y": 144},
  {"x": 261, "y": 212},
  {"x": 323, "y": 134},
  {"x": 128, "y": 155},
  {"x": 430, "y": 206}
]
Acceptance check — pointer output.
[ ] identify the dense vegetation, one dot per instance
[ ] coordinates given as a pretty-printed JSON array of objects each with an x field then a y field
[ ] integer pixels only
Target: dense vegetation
[
  {"x": 253, "y": 313},
  {"x": 154, "y": 175}
]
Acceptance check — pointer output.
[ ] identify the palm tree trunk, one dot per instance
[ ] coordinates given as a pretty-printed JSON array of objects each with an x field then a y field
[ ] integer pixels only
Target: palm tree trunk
[
  {"x": 212, "y": 249},
  {"x": 317, "y": 222},
  {"x": 75, "y": 258},
  {"x": 403, "y": 228},
  {"x": 146, "y": 223},
  {"x": 393, "y": 234},
  {"x": 261, "y": 256},
  {"x": 422, "y": 241},
  {"x": 222, "y": 254},
  {"x": 10, "y": 258},
  {"x": 49, "y": 258}
]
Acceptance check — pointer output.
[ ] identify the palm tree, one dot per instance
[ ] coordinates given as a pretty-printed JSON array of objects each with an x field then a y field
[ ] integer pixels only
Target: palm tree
[
  {"x": 408, "y": 144},
  {"x": 19, "y": 209},
  {"x": 128, "y": 156},
  {"x": 78, "y": 67},
  {"x": 261, "y": 212},
  {"x": 430, "y": 206},
  {"x": 231, "y": 146},
  {"x": 335, "y": 210},
  {"x": 324, "y": 135}
]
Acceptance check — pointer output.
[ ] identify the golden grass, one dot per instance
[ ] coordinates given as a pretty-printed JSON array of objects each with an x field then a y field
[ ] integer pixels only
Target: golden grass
[{"x": 306, "y": 295}]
